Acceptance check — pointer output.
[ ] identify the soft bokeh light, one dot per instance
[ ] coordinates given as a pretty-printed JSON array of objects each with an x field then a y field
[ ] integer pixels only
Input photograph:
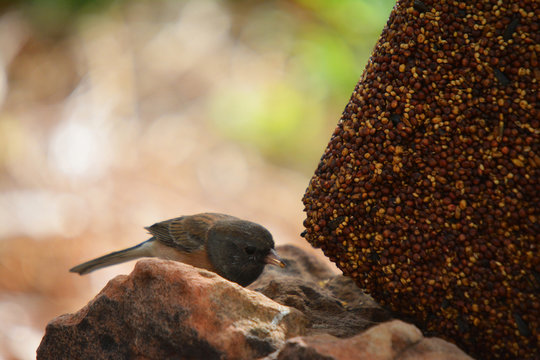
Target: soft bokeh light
[
  {"x": 77, "y": 150},
  {"x": 40, "y": 214},
  {"x": 115, "y": 115}
]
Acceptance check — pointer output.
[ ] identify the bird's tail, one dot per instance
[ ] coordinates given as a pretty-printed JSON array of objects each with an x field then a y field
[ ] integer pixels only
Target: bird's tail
[{"x": 143, "y": 249}]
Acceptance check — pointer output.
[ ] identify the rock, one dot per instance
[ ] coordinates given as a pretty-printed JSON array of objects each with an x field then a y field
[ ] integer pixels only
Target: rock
[
  {"x": 168, "y": 310},
  {"x": 333, "y": 303},
  {"x": 299, "y": 263},
  {"x": 393, "y": 340}
]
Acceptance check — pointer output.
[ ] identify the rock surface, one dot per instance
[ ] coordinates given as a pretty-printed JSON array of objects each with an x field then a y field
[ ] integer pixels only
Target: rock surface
[
  {"x": 333, "y": 303},
  {"x": 165, "y": 309},
  {"x": 169, "y": 310},
  {"x": 394, "y": 340}
]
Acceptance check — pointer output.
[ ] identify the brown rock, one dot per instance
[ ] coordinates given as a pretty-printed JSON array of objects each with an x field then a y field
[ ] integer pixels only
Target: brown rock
[
  {"x": 169, "y": 310},
  {"x": 333, "y": 303},
  {"x": 394, "y": 340}
]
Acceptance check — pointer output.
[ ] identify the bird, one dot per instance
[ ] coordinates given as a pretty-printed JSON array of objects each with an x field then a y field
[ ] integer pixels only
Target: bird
[{"x": 235, "y": 249}]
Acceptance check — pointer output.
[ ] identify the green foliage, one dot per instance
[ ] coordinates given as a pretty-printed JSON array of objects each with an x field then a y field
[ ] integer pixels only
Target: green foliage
[
  {"x": 313, "y": 53},
  {"x": 327, "y": 44},
  {"x": 55, "y": 17}
]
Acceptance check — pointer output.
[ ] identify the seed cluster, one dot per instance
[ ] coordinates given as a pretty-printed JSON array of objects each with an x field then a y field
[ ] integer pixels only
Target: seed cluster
[{"x": 428, "y": 192}]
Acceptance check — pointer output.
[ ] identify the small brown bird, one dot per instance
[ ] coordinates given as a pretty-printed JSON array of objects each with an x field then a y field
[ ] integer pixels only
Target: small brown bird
[{"x": 236, "y": 249}]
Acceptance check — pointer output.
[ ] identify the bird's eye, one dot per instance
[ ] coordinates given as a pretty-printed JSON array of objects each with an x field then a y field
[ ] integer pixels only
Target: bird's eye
[{"x": 250, "y": 250}]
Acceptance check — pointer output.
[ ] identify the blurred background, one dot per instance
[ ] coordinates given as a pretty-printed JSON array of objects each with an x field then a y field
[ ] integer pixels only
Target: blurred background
[{"x": 118, "y": 114}]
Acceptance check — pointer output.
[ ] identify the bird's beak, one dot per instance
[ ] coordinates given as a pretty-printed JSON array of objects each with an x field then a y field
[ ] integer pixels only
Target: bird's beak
[{"x": 273, "y": 259}]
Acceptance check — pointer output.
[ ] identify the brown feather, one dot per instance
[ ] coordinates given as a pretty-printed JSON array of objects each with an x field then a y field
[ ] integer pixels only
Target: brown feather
[{"x": 186, "y": 233}]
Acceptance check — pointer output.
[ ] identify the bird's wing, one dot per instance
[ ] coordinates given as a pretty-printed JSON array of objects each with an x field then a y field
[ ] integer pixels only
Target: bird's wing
[{"x": 185, "y": 233}]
